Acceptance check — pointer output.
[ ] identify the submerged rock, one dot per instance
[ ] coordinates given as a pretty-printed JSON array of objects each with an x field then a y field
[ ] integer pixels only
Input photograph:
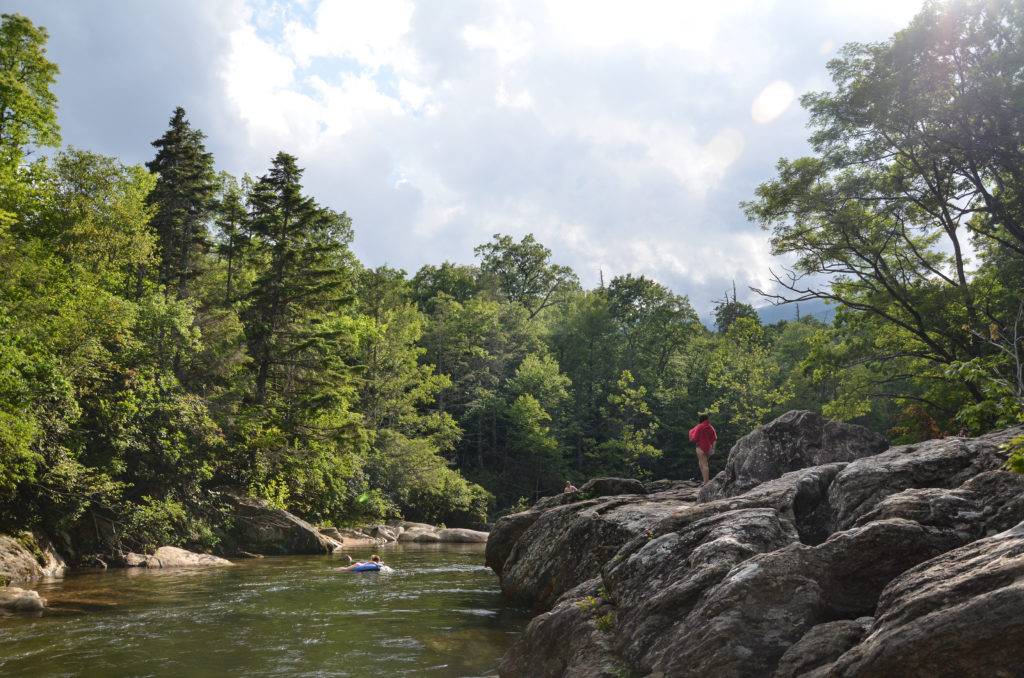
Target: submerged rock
[
  {"x": 172, "y": 556},
  {"x": 17, "y": 599}
]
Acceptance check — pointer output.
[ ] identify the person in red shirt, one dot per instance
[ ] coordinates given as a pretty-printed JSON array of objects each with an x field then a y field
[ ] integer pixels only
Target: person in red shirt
[{"x": 704, "y": 435}]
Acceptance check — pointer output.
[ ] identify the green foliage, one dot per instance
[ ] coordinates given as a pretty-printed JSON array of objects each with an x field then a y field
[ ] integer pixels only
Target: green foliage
[
  {"x": 523, "y": 274},
  {"x": 743, "y": 374},
  {"x": 145, "y": 361},
  {"x": 183, "y": 198},
  {"x": 27, "y": 106},
  {"x": 907, "y": 172},
  {"x": 25, "y": 379},
  {"x": 150, "y": 524},
  {"x": 1015, "y": 452},
  {"x": 628, "y": 450},
  {"x": 456, "y": 281}
]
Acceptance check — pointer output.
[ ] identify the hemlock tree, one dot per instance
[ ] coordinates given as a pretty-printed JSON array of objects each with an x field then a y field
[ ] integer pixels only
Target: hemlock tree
[
  {"x": 184, "y": 199},
  {"x": 232, "y": 224},
  {"x": 304, "y": 278},
  {"x": 302, "y": 437}
]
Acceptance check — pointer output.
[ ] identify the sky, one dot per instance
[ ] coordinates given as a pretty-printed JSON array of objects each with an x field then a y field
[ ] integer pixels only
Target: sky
[{"x": 622, "y": 135}]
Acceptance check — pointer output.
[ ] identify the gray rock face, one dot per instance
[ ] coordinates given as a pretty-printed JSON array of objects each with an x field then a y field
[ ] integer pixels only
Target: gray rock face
[
  {"x": 796, "y": 440},
  {"x": 821, "y": 646},
  {"x": 29, "y": 556},
  {"x": 567, "y": 641},
  {"x": 541, "y": 554},
  {"x": 944, "y": 463},
  {"x": 768, "y": 602},
  {"x": 659, "y": 585},
  {"x": 890, "y": 565},
  {"x": 991, "y": 502},
  {"x": 267, "y": 531},
  {"x": 959, "y": 614}
]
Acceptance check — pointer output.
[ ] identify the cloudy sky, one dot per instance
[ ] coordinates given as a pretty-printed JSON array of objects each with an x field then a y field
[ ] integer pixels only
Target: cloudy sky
[{"x": 621, "y": 134}]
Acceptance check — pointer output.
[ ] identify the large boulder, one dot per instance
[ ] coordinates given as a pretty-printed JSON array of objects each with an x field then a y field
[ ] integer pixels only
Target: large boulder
[
  {"x": 541, "y": 555},
  {"x": 505, "y": 534},
  {"x": 424, "y": 533},
  {"x": 960, "y": 614},
  {"x": 768, "y": 602},
  {"x": 941, "y": 463},
  {"x": 815, "y": 573},
  {"x": 258, "y": 528},
  {"x": 461, "y": 535},
  {"x": 655, "y": 587},
  {"x": 989, "y": 503},
  {"x": 570, "y": 641},
  {"x": 820, "y": 646},
  {"x": 28, "y": 556},
  {"x": 172, "y": 556},
  {"x": 796, "y": 440}
]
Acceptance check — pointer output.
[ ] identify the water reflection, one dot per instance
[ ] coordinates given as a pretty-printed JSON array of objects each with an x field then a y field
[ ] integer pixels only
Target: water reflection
[{"x": 438, "y": 614}]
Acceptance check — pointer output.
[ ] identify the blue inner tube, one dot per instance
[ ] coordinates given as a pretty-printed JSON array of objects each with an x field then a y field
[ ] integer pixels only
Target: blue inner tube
[{"x": 366, "y": 567}]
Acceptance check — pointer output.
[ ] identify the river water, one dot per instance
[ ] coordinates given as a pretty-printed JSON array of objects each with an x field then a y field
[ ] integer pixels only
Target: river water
[{"x": 438, "y": 614}]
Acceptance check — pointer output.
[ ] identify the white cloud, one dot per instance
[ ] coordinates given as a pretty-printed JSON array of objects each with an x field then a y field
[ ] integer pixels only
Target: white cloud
[
  {"x": 521, "y": 99},
  {"x": 371, "y": 33},
  {"x": 651, "y": 23},
  {"x": 621, "y": 134},
  {"x": 255, "y": 75},
  {"x": 510, "y": 41}
]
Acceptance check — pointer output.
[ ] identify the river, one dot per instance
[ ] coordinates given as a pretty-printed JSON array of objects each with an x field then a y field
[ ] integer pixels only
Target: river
[{"x": 438, "y": 614}]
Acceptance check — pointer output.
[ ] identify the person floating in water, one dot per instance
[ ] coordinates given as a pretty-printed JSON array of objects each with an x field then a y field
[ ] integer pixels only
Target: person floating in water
[{"x": 374, "y": 563}]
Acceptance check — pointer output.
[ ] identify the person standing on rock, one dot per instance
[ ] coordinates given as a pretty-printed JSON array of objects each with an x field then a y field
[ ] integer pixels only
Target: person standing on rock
[{"x": 704, "y": 435}]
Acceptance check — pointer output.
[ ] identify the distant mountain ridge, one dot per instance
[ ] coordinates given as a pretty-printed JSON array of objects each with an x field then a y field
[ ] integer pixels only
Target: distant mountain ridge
[
  {"x": 816, "y": 307},
  {"x": 770, "y": 315}
]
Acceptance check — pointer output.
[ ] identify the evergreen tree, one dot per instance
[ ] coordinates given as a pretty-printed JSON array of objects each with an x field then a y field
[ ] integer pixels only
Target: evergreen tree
[
  {"x": 232, "y": 225},
  {"x": 184, "y": 198},
  {"x": 303, "y": 253},
  {"x": 301, "y": 439}
]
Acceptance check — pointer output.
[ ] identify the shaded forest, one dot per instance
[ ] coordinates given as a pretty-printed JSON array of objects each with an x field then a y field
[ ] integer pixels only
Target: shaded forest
[{"x": 168, "y": 330}]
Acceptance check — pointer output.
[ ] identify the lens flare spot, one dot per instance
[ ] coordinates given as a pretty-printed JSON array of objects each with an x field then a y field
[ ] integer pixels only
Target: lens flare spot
[{"x": 772, "y": 102}]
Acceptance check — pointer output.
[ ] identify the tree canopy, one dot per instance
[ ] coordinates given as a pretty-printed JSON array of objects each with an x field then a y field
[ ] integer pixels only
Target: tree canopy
[{"x": 168, "y": 333}]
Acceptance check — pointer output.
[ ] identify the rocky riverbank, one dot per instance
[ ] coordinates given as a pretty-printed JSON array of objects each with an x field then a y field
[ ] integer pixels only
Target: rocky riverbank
[
  {"x": 256, "y": 529},
  {"x": 816, "y": 552}
]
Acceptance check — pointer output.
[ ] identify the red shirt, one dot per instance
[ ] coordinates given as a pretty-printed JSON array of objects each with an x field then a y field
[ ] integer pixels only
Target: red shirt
[{"x": 704, "y": 435}]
